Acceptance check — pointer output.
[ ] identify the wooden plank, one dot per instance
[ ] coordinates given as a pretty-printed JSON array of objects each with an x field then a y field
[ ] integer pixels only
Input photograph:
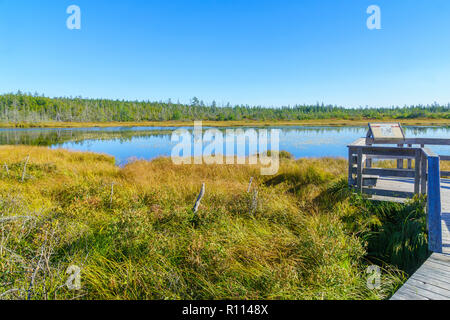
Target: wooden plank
[
  {"x": 434, "y": 266},
  {"x": 368, "y": 160},
  {"x": 407, "y": 294},
  {"x": 436, "y": 274},
  {"x": 369, "y": 181},
  {"x": 435, "y": 281},
  {"x": 425, "y": 284},
  {"x": 429, "y": 141},
  {"x": 432, "y": 272},
  {"x": 445, "y": 259},
  {"x": 409, "y": 160},
  {"x": 400, "y": 161},
  {"x": 388, "y": 193},
  {"x": 437, "y": 265},
  {"x": 359, "y": 171},
  {"x": 388, "y": 199},
  {"x": 386, "y": 140},
  {"x": 399, "y": 297},
  {"x": 388, "y": 151},
  {"x": 434, "y": 206},
  {"x": 385, "y": 157},
  {"x": 396, "y": 184},
  {"x": 389, "y": 172},
  {"x": 416, "y": 141},
  {"x": 358, "y": 142},
  {"x": 422, "y": 291},
  {"x": 429, "y": 153},
  {"x": 417, "y": 166},
  {"x": 423, "y": 173},
  {"x": 350, "y": 166},
  {"x": 381, "y": 172}
]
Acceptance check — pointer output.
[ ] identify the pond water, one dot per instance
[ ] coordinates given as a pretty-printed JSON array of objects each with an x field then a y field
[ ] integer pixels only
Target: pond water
[{"x": 126, "y": 143}]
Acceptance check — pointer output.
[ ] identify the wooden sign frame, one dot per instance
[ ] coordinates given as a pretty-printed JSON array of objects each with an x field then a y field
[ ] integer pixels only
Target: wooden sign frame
[{"x": 387, "y": 132}]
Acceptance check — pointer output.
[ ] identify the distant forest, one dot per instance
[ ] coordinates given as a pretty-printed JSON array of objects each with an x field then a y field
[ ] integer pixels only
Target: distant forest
[{"x": 20, "y": 107}]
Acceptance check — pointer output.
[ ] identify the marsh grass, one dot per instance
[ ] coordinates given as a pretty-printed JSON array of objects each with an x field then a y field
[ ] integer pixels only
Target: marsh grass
[
  {"x": 352, "y": 121},
  {"x": 306, "y": 237}
]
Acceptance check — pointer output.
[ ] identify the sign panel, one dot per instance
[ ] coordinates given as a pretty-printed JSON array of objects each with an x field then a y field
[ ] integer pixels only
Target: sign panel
[{"x": 386, "y": 131}]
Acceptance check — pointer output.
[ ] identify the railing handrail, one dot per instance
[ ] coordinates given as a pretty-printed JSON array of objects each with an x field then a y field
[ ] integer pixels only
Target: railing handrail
[
  {"x": 418, "y": 141},
  {"x": 429, "y": 153},
  {"x": 361, "y": 142}
]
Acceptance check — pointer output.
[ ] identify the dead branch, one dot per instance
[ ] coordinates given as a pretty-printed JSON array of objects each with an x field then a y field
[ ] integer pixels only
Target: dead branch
[
  {"x": 25, "y": 168},
  {"x": 8, "y": 219},
  {"x": 200, "y": 197},
  {"x": 250, "y": 185}
]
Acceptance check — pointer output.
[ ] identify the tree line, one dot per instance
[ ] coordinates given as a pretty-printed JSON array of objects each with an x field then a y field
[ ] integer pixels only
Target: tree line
[{"x": 22, "y": 107}]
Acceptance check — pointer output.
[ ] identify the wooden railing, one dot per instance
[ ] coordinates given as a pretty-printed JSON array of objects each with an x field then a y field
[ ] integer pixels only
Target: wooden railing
[
  {"x": 409, "y": 143},
  {"x": 426, "y": 173}
]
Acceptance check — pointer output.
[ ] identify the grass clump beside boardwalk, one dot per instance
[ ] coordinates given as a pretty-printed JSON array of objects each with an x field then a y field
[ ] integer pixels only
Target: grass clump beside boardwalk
[{"x": 132, "y": 231}]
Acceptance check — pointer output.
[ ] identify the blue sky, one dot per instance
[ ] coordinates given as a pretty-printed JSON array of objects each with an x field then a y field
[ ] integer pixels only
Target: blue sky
[{"x": 255, "y": 52}]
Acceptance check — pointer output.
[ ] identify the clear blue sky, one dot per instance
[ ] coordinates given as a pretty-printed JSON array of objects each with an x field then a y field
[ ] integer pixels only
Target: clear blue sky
[{"x": 254, "y": 52}]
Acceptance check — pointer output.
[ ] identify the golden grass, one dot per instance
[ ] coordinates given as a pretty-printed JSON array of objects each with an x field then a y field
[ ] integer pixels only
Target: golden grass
[{"x": 142, "y": 240}]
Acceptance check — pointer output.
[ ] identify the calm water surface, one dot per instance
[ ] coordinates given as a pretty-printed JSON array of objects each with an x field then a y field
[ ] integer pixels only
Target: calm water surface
[{"x": 151, "y": 142}]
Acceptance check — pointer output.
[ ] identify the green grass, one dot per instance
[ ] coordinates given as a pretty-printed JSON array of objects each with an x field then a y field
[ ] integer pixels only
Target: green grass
[{"x": 304, "y": 236}]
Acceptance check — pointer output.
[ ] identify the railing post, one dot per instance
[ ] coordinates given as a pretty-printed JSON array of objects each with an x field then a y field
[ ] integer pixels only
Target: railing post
[
  {"x": 423, "y": 174},
  {"x": 369, "y": 161},
  {"x": 417, "y": 169},
  {"x": 409, "y": 160},
  {"x": 359, "y": 169},
  {"x": 400, "y": 161},
  {"x": 434, "y": 205},
  {"x": 350, "y": 166}
]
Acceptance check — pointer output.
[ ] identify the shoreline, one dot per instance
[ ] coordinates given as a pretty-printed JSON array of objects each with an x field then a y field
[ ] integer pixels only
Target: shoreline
[{"x": 241, "y": 123}]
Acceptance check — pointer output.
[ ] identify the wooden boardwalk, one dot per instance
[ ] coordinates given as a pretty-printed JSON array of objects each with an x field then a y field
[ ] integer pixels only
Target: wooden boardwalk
[{"x": 432, "y": 280}]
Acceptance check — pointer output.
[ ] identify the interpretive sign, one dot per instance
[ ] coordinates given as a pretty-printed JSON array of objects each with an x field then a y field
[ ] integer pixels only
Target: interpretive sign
[{"x": 385, "y": 131}]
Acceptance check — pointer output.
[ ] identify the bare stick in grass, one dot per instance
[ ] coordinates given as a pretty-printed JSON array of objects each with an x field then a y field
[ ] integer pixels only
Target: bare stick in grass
[
  {"x": 8, "y": 219},
  {"x": 250, "y": 185},
  {"x": 200, "y": 197},
  {"x": 9, "y": 292},
  {"x": 7, "y": 169},
  {"x": 25, "y": 168}
]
